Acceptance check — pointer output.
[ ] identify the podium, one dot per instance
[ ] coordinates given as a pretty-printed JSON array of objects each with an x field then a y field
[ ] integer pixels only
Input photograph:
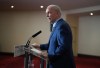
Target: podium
[
  {"x": 28, "y": 55},
  {"x": 27, "y": 51}
]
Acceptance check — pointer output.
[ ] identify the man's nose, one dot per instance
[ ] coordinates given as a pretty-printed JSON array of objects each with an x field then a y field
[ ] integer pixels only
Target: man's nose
[{"x": 47, "y": 14}]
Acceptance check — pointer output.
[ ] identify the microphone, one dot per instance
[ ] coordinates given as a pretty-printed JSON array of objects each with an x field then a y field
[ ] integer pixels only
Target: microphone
[
  {"x": 28, "y": 42},
  {"x": 36, "y": 34}
]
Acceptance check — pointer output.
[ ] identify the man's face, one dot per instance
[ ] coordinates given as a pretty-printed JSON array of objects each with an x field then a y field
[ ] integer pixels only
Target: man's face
[{"x": 51, "y": 15}]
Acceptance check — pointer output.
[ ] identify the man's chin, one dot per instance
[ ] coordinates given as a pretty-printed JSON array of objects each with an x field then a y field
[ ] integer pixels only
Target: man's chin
[{"x": 51, "y": 21}]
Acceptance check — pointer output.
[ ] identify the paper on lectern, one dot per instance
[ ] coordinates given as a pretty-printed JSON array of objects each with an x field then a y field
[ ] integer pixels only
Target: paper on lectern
[{"x": 37, "y": 53}]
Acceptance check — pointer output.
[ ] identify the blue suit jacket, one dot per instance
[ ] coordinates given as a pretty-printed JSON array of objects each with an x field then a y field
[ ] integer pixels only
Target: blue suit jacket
[{"x": 59, "y": 46}]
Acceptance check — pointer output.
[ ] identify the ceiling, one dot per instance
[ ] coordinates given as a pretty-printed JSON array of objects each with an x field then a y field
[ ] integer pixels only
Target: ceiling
[{"x": 35, "y": 4}]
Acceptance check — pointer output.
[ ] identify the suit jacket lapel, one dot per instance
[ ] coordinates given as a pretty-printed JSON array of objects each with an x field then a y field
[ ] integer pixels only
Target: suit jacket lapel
[{"x": 54, "y": 28}]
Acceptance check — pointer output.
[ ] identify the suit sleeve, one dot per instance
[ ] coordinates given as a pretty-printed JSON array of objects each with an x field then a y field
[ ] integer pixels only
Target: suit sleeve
[{"x": 44, "y": 46}]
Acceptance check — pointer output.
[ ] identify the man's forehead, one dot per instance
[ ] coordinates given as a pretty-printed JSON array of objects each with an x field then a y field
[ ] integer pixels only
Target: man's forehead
[{"x": 50, "y": 10}]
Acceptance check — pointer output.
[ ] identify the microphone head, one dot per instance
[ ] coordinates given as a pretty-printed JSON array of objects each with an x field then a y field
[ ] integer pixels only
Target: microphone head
[{"x": 36, "y": 34}]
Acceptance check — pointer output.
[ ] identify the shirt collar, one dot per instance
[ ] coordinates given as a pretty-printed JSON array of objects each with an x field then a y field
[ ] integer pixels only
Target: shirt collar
[{"x": 56, "y": 22}]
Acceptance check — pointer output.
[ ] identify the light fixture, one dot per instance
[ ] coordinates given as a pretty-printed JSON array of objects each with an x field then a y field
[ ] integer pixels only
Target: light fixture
[
  {"x": 12, "y": 6},
  {"x": 41, "y": 6},
  {"x": 91, "y": 13}
]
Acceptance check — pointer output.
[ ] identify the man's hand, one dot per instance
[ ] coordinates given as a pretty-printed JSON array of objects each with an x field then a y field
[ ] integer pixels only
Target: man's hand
[
  {"x": 35, "y": 45},
  {"x": 44, "y": 54}
]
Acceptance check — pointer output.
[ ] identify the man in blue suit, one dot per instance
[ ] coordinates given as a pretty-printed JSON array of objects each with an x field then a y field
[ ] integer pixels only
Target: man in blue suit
[{"x": 59, "y": 47}]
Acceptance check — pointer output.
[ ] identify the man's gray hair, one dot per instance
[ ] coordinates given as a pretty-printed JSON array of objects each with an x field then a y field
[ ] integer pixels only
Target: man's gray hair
[{"x": 56, "y": 8}]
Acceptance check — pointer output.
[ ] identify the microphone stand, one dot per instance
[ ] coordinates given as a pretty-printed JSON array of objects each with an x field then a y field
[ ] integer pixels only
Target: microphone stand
[{"x": 28, "y": 56}]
